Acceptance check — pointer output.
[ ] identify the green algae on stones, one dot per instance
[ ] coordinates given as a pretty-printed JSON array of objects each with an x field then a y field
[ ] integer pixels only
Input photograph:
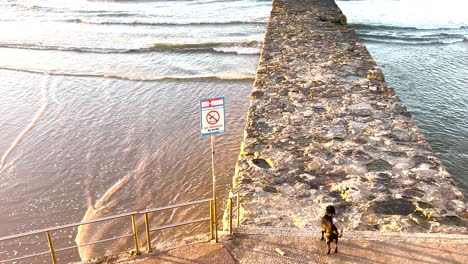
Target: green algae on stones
[
  {"x": 352, "y": 78},
  {"x": 414, "y": 192},
  {"x": 306, "y": 140},
  {"x": 319, "y": 110},
  {"x": 360, "y": 140},
  {"x": 418, "y": 217},
  {"x": 262, "y": 163},
  {"x": 425, "y": 205},
  {"x": 246, "y": 181},
  {"x": 394, "y": 207},
  {"x": 451, "y": 220},
  {"x": 268, "y": 188},
  {"x": 379, "y": 165}
]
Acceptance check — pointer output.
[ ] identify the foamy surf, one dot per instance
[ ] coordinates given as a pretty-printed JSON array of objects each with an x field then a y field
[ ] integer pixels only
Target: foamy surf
[
  {"x": 428, "y": 14},
  {"x": 166, "y": 23},
  {"x": 93, "y": 212},
  {"x": 112, "y": 81},
  {"x": 39, "y": 114},
  {"x": 103, "y": 206},
  {"x": 193, "y": 78},
  {"x": 240, "y": 48}
]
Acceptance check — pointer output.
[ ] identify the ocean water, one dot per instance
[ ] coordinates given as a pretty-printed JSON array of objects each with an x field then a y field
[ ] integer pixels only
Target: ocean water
[
  {"x": 422, "y": 49},
  {"x": 100, "y": 104},
  {"x": 100, "y": 113}
]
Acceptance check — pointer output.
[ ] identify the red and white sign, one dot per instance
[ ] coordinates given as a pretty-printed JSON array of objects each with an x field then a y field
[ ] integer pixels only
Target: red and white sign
[{"x": 212, "y": 116}]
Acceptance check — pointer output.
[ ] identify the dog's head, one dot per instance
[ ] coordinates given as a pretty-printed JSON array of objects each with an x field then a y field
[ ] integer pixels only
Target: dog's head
[{"x": 330, "y": 210}]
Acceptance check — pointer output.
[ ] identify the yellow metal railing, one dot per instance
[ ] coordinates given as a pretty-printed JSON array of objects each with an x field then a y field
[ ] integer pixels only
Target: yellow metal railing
[
  {"x": 230, "y": 209},
  {"x": 52, "y": 251}
]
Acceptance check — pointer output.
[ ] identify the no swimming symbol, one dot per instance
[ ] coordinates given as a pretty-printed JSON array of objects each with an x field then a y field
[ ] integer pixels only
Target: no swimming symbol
[{"x": 212, "y": 117}]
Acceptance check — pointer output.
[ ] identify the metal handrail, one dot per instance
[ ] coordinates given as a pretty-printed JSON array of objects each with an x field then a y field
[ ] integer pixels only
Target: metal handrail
[
  {"x": 173, "y": 206},
  {"x": 35, "y": 232},
  {"x": 107, "y": 218},
  {"x": 180, "y": 224},
  {"x": 94, "y": 242},
  {"x": 230, "y": 209},
  {"x": 25, "y": 257}
]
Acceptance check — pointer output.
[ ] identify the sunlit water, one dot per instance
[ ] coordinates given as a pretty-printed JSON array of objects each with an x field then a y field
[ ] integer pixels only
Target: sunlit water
[
  {"x": 422, "y": 49},
  {"x": 100, "y": 113},
  {"x": 100, "y": 103}
]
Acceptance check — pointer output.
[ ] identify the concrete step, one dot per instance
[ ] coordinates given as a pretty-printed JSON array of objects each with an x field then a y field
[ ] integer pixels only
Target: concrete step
[
  {"x": 355, "y": 235},
  {"x": 293, "y": 245}
]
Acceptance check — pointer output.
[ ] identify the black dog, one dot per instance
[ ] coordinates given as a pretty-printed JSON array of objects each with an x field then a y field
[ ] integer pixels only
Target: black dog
[{"x": 329, "y": 229}]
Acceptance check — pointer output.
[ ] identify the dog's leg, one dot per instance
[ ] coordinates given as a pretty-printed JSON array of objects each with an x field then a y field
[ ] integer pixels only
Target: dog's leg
[
  {"x": 329, "y": 247},
  {"x": 323, "y": 231},
  {"x": 336, "y": 245}
]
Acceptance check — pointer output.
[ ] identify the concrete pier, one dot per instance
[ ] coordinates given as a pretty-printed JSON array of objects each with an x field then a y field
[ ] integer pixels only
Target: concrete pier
[{"x": 325, "y": 128}]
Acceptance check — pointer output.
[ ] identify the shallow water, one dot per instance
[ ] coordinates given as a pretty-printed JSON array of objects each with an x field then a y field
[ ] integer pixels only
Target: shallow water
[
  {"x": 100, "y": 103},
  {"x": 100, "y": 112},
  {"x": 422, "y": 50}
]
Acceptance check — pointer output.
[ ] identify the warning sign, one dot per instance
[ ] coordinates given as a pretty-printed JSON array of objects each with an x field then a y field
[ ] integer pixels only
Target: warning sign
[{"x": 212, "y": 116}]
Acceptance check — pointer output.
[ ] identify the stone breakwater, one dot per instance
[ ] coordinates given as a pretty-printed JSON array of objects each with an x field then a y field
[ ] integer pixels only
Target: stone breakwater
[{"x": 325, "y": 128}]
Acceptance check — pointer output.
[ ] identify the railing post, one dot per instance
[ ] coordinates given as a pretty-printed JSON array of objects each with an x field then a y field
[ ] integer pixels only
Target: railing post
[
  {"x": 215, "y": 223},
  {"x": 238, "y": 210},
  {"x": 230, "y": 213},
  {"x": 135, "y": 234},
  {"x": 148, "y": 236},
  {"x": 51, "y": 247},
  {"x": 211, "y": 220}
]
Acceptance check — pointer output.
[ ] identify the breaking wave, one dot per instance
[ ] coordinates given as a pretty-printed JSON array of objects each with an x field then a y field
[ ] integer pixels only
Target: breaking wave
[
  {"x": 169, "y": 23},
  {"x": 414, "y": 40},
  {"x": 360, "y": 26},
  {"x": 250, "y": 47},
  {"x": 141, "y": 78},
  {"x": 73, "y": 49},
  {"x": 435, "y": 42},
  {"x": 39, "y": 114},
  {"x": 241, "y": 48},
  {"x": 410, "y": 35}
]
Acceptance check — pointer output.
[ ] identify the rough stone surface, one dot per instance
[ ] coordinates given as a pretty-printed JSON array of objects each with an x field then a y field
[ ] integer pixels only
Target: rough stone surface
[{"x": 324, "y": 128}]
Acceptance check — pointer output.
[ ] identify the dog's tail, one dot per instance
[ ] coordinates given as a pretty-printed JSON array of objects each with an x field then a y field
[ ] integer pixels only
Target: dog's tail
[{"x": 339, "y": 234}]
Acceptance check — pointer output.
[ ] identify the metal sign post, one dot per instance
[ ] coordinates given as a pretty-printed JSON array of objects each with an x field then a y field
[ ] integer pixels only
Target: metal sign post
[
  {"x": 215, "y": 222},
  {"x": 212, "y": 113}
]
